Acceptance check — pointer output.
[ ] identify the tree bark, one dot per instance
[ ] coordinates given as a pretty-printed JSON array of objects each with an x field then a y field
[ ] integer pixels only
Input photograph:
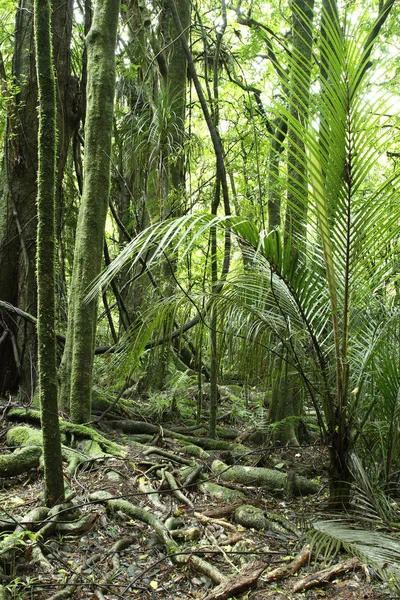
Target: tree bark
[
  {"x": 18, "y": 214},
  {"x": 79, "y": 349},
  {"x": 299, "y": 90},
  {"x": 18, "y": 353},
  {"x": 46, "y": 255}
]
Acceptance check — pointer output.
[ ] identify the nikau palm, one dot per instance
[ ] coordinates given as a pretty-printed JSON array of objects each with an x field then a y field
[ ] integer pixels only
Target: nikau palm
[{"x": 320, "y": 303}]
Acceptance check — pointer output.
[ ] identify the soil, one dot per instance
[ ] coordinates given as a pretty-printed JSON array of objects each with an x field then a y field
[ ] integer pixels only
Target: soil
[{"x": 143, "y": 569}]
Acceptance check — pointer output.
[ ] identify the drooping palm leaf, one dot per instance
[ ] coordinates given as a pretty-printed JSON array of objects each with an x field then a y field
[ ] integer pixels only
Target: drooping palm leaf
[{"x": 374, "y": 547}]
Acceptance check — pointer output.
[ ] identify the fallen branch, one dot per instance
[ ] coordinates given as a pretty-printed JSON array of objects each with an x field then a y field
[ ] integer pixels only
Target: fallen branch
[{"x": 324, "y": 576}]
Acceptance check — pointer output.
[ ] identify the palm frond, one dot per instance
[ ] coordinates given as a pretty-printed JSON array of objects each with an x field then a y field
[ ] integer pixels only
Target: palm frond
[{"x": 377, "y": 549}]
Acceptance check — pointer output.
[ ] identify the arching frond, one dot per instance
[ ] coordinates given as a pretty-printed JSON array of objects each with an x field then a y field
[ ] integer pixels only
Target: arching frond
[{"x": 379, "y": 550}]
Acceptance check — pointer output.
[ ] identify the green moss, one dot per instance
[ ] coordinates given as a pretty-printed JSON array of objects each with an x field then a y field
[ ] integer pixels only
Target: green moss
[
  {"x": 19, "y": 461},
  {"x": 24, "y": 436},
  {"x": 251, "y": 517},
  {"x": 220, "y": 492}
]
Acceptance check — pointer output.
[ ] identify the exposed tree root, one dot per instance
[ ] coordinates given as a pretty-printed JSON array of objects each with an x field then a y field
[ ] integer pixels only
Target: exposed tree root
[
  {"x": 137, "y": 427},
  {"x": 237, "y": 584},
  {"x": 272, "y": 480},
  {"x": 290, "y": 569},
  {"x": 69, "y": 429},
  {"x": 324, "y": 576},
  {"x": 162, "y": 533},
  {"x": 175, "y": 489},
  {"x": 20, "y": 461}
]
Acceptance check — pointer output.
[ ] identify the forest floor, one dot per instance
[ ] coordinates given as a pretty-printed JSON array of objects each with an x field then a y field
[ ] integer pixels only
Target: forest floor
[{"x": 118, "y": 556}]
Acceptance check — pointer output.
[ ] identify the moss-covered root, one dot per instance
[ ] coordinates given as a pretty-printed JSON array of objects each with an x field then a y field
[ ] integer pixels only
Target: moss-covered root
[
  {"x": 19, "y": 461},
  {"x": 66, "y": 428},
  {"x": 272, "y": 480},
  {"x": 141, "y": 514},
  {"x": 252, "y": 517},
  {"x": 210, "y": 488}
]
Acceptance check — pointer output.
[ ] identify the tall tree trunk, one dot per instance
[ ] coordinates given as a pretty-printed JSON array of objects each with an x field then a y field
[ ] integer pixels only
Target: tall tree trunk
[
  {"x": 18, "y": 353},
  {"x": 46, "y": 235},
  {"x": 274, "y": 191},
  {"x": 18, "y": 212},
  {"x": 78, "y": 354},
  {"x": 176, "y": 82}
]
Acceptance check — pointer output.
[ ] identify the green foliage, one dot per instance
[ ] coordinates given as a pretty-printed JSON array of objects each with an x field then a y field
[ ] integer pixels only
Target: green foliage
[{"x": 319, "y": 303}]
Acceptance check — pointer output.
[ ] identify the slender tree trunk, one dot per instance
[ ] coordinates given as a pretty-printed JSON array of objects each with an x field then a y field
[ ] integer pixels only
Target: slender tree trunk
[
  {"x": 47, "y": 145},
  {"x": 274, "y": 191},
  {"x": 78, "y": 358},
  {"x": 176, "y": 81}
]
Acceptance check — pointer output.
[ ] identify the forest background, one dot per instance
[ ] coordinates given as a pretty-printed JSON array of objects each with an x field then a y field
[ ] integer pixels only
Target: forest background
[{"x": 201, "y": 195}]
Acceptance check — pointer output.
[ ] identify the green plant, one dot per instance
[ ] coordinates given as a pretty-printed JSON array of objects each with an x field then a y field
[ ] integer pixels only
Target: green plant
[{"x": 320, "y": 304}]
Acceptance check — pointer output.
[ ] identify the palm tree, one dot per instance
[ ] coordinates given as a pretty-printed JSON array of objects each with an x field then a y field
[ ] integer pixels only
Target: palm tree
[{"x": 319, "y": 304}]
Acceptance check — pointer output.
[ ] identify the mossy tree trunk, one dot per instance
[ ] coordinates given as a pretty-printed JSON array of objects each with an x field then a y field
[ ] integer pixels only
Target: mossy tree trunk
[
  {"x": 47, "y": 150},
  {"x": 18, "y": 185},
  {"x": 18, "y": 352},
  {"x": 78, "y": 357},
  {"x": 176, "y": 82}
]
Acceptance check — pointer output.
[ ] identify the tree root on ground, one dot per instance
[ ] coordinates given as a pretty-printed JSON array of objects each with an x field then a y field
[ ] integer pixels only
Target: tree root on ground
[
  {"x": 172, "y": 548},
  {"x": 140, "y": 427},
  {"x": 324, "y": 576},
  {"x": 272, "y": 480},
  {"x": 20, "y": 461},
  {"x": 290, "y": 569},
  {"x": 69, "y": 429},
  {"x": 237, "y": 584}
]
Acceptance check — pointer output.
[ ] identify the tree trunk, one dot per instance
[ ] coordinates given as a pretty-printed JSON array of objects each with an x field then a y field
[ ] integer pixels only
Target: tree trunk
[
  {"x": 18, "y": 214},
  {"x": 340, "y": 477},
  {"x": 78, "y": 355},
  {"x": 46, "y": 325}
]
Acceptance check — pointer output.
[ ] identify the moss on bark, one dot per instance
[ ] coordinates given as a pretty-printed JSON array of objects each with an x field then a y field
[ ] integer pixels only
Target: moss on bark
[
  {"x": 46, "y": 255},
  {"x": 268, "y": 478},
  {"x": 78, "y": 357},
  {"x": 19, "y": 461},
  {"x": 33, "y": 416}
]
